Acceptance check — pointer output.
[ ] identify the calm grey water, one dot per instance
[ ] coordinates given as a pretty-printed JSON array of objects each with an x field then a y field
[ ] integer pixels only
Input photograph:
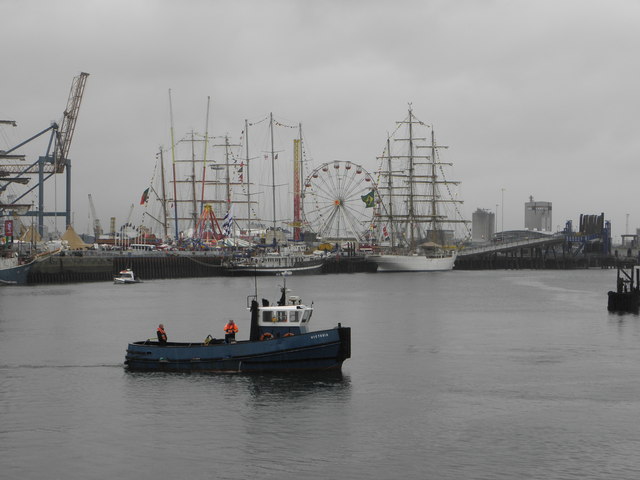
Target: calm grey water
[{"x": 458, "y": 375}]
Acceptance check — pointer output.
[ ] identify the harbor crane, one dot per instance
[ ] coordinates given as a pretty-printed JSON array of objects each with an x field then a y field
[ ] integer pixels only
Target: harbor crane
[
  {"x": 54, "y": 161},
  {"x": 97, "y": 228}
]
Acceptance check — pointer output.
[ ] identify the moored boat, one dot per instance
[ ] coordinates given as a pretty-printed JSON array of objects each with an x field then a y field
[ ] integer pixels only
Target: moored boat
[
  {"x": 417, "y": 212},
  {"x": 14, "y": 269},
  {"x": 416, "y": 262},
  {"x": 272, "y": 263},
  {"x": 279, "y": 340}
]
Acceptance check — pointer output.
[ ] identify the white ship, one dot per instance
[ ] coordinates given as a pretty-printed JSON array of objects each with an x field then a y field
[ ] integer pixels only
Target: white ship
[{"x": 417, "y": 211}]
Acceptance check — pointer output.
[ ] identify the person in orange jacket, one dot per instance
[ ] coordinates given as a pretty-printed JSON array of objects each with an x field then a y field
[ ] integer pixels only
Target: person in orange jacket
[
  {"x": 162, "y": 335},
  {"x": 230, "y": 330}
]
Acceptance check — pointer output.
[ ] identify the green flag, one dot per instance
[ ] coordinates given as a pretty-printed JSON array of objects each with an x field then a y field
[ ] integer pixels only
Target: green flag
[{"x": 368, "y": 199}]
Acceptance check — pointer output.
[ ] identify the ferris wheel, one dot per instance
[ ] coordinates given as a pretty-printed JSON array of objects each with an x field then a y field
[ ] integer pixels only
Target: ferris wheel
[{"x": 338, "y": 200}]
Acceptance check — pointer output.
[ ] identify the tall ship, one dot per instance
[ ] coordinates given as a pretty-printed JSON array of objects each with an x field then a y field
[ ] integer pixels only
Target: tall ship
[
  {"x": 417, "y": 213},
  {"x": 217, "y": 195}
]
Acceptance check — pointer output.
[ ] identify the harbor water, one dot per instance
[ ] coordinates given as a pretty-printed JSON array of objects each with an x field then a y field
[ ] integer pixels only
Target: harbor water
[{"x": 458, "y": 375}]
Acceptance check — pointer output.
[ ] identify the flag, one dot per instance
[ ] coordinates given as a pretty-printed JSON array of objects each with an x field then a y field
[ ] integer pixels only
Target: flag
[
  {"x": 385, "y": 233},
  {"x": 227, "y": 221},
  {"x": 145, "y": 197},
  {"x": 368, "y": 199}
]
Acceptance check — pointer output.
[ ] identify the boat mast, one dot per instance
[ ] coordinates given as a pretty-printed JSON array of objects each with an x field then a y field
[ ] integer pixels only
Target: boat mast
[
  {"x": 390, "y": 186},
  {"x": 246, "y": 139},
  {"x": 173, "y": 160},
  {"x": 194, "y": 201},
  {"x": 165, "y": 226},
  {"x": 204, "y": 160},
  {"x": 273, "y": 176},
  {"x": 412, "y": 218},
  {"x": 434, "y": 212},
  {"x": 227, "y": 172}
]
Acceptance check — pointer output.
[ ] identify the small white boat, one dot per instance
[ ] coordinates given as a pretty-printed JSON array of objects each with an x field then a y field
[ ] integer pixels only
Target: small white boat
[{"x": 126, "y": 276}]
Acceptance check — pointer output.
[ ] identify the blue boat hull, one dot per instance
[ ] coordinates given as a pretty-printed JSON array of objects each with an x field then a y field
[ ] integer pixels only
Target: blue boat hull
[{"x": 322, "y": 350}]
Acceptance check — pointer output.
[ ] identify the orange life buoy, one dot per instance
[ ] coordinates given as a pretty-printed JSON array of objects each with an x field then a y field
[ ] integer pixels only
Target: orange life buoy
[
  {"x": 288, "y": 334},
  {"x": 266, "y": 336}
]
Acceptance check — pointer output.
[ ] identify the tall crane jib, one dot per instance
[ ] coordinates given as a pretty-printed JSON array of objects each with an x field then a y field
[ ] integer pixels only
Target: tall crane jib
[
  {"x": 70, "y": 116},
  {"x": 97, "y": 228}
]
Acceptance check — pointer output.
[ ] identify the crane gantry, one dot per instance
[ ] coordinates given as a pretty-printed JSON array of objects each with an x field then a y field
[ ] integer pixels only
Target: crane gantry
[{"x": 55, "y": 161}]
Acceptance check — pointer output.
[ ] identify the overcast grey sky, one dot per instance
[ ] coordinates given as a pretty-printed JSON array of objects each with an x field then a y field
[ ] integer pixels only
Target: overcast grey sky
[{"x": 537, "y": 97}]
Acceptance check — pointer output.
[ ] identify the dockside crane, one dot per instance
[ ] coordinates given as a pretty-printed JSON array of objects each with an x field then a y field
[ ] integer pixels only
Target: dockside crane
[
  {"x": 97, "y": 228},
  {"x": 55, "y": 161}
]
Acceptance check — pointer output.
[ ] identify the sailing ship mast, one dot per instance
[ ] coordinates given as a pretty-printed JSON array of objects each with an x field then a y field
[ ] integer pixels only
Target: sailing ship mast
[
  {"x": 273, "y": 175},
  {"x": 246, "y": 165},
  {"x": 410, "y": 190},
  {"x": 173, "y": 160}
]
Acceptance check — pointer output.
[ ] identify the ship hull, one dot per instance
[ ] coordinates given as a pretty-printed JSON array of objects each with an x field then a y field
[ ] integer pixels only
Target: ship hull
[
  {"x": 322, "y": 350},
  {"x": 413, "y": 263},
  {"x": 14, "y": 275},
  {"x": 275, "y": 266}
]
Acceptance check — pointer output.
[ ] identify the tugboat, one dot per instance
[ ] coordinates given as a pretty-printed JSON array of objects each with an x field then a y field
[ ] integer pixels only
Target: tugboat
[
  {"x": 279, "y": 341},
  {"x": 626, "y": 298}
]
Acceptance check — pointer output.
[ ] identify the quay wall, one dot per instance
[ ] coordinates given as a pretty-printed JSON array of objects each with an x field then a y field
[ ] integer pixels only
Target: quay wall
[
  {"x": 101, "y": 266},
  {"x": 87, "y": 267}
]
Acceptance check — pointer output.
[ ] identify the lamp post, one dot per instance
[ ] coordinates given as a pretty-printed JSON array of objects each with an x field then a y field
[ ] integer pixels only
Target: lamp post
[{"x": 503, "y": 214}]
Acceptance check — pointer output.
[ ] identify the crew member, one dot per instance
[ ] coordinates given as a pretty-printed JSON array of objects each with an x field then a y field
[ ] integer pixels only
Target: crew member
[
  {"x": 230, "y": 330},
  {"x": 162, "y": 335}
]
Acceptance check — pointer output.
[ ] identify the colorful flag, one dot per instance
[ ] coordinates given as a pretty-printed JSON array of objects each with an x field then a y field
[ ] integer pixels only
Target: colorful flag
[
  {"x": 369, "y": 199},
  {"x": 145, "y": 197},
  {"x": 385, "y": 233}
]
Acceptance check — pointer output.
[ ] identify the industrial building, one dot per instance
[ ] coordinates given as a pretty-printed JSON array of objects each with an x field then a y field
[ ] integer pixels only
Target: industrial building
[
  {"x": 482, "y": 225},
  {"x": 537, "y": 216}
]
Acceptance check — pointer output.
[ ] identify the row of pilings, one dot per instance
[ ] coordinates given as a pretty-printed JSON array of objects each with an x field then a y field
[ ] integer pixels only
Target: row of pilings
[{"x": 539, "y": 259}]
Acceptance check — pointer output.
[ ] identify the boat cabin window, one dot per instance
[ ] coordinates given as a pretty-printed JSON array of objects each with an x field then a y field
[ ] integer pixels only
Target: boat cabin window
[
  {"x": 306, "y": 316},
  {"x": 294, "y": 317},
  {"x": 273, "y": 317}
]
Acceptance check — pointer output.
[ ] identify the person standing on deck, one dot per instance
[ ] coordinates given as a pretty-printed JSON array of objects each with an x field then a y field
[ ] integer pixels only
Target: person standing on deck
[
  {"x": 230, "y": 330},
  {"x": 162, "y": 335}
]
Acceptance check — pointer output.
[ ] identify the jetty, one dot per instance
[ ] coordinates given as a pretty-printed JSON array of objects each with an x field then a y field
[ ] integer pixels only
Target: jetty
[{"x": 535, "y": 251}]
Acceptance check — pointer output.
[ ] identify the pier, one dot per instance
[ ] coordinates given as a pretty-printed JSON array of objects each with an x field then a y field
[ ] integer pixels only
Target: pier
[{"x": 549, "y": 252}]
